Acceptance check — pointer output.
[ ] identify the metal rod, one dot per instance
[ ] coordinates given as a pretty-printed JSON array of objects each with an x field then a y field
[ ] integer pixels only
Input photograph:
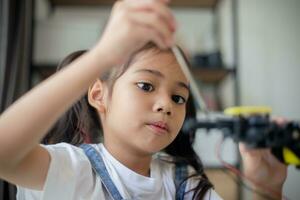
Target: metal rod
[{"x": 193, "y": 85}]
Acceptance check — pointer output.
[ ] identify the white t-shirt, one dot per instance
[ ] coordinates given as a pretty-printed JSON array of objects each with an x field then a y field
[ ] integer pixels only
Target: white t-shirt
[{"x": 71, "y": 177}]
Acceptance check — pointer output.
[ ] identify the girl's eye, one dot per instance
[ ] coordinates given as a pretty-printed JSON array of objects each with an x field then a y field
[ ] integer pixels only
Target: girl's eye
[
  {"x": 145, "y": 86},
  {"x": 178, "y": 99}
]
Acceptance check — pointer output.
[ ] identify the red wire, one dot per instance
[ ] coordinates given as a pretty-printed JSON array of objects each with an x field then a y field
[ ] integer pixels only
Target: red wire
[{"x": 242, "y": 175}]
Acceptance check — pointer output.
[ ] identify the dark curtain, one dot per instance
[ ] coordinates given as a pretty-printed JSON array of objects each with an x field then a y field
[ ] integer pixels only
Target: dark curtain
[{"x": 16, "y": 22}]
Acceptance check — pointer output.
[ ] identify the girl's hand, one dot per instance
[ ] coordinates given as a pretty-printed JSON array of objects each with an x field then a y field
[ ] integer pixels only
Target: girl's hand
[
  {"x": 263, "y": 168},
  {"x": 133, "y": 23}
]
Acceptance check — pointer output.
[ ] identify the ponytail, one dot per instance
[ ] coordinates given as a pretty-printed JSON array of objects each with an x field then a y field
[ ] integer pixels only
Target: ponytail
[{"x": 81, "y": 123}]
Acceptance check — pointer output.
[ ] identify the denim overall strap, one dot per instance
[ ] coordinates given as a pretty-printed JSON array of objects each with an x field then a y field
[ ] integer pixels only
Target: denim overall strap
[
  {"x": 99, "y": 166},
  {"x": 180, "y": 175}
]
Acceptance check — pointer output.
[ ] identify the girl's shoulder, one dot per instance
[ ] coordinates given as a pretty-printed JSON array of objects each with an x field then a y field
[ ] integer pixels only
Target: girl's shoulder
[
  {"x": 68, "y": 156},
  {"x": 65, "y": 150},
  {"x": 69, "y": 167}
]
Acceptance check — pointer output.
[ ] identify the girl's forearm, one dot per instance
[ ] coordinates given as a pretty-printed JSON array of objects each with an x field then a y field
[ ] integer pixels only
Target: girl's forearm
[{"x": 25, "y": 123}]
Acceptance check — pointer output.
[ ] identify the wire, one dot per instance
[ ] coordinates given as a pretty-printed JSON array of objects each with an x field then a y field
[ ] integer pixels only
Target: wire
[
  {"x": 193, "y": 85},
  {"x": 238, "y": 182},
  {"x": 243, "y": 176}
]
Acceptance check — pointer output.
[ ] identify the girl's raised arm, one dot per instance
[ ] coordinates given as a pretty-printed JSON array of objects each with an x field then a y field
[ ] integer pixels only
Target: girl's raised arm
[{"x": 132, "y": 24}]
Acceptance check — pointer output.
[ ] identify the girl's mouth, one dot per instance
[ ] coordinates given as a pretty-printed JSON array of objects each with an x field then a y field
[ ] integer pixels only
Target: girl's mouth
[{"x": 159, "y": 128}]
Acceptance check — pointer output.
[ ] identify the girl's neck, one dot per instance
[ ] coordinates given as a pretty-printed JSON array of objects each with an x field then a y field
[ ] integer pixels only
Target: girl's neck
[{"x": 139, "y": 163}]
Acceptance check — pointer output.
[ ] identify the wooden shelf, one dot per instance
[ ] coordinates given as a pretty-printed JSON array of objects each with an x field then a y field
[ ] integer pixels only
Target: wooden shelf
[
  {"x": 211, "y": 75},
  {"x": 176, "y": 3},
  {"x": 204, "y": 74}
]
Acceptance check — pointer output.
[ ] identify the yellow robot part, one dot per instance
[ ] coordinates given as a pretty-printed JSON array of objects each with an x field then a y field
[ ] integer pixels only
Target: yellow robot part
[
  {"x": 290, "y": 157},
  {"x": 248, "y": 110}
]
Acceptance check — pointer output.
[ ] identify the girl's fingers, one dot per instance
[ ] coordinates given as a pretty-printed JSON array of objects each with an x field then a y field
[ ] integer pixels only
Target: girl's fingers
[
  {"x": 156, "y": 37},
  {"x": 139, "y": 1},
  {"x": 280, "y": 120},
  {"x": 163, "y": 1},
  {"x": 157, "y": 8},
  {"x": 133, "y": 23},
  {"x": 151, "y": 21},
  {"x": 248, "y": 152}
]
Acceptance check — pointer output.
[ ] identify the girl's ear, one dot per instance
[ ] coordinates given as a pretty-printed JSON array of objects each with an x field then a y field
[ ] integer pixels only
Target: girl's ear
[{"x": 96, "y": 96}]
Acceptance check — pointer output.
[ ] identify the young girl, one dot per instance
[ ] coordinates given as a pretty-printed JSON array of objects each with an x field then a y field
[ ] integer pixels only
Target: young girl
[
  {"x": 81, "y": 123},
  {"x": 140, "y": 98}
]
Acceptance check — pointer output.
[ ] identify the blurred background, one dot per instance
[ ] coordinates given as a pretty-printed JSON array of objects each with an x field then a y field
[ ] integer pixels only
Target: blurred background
[{"x": 242, "y": 52}]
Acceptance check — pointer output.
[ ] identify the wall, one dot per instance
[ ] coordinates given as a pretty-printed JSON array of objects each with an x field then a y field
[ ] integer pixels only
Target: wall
[
  {"x": 270, "y": 62},
  {"x": 66, "y": 29}
]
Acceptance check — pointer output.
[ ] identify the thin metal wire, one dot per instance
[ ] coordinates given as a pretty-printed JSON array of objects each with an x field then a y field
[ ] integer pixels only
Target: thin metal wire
[{"x": 193, "y": 85}]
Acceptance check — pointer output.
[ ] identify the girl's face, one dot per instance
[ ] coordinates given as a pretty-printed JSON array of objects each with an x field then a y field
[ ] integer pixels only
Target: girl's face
[{"x": 148, "y": 103}]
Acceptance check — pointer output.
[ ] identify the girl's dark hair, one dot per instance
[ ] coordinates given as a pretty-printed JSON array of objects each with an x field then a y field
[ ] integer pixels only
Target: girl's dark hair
[
  {"x": 182, "y": 150},
  {"x": 81, "y": 124}
]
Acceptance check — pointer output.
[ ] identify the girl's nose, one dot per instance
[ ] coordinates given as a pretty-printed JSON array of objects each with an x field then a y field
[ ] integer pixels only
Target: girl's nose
[
  {"x": 164, "y": 111},
  {"x": 163, "y": 105}
]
